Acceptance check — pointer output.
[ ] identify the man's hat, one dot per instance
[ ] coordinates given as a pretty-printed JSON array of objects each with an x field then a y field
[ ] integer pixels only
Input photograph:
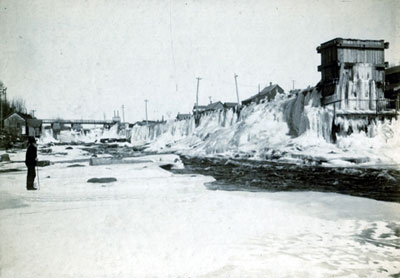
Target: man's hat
[{"x": 31, "y": 139}]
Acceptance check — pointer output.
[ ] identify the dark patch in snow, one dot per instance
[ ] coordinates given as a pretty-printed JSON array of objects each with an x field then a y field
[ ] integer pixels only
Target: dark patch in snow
[
  {"x": 10, "y": 170},
  {"x": 76, "y": 165},
  {"x": 45, "y": 150},
  {"x": 167, "y": 166},
  {"x": 102, "y": 180},
  {"x": 370, "y": 236},
  {"x": 43, "y": 163},
  {"x": 395, "y": 228}
]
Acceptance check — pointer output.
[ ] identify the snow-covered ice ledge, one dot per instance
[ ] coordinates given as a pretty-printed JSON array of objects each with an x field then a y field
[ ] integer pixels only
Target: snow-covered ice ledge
[{"x": 295, "y": 129}]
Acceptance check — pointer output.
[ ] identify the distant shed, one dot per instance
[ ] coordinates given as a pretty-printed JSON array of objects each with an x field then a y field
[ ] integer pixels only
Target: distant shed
[
  {"x": 16, "y": 123},
  {"x": 34, "y": 127}
]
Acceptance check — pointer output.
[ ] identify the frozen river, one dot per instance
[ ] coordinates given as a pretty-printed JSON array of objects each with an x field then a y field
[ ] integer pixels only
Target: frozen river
[
  {"x": 155, "y": 223},
  {"x": 250, "y": 175}
]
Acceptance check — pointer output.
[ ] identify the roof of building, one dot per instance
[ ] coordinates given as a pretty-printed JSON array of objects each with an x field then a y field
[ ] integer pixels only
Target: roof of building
[
  {"x": 270, "y": 88},
  {"x": 183, "y": 116},
  {"x": 200, "y": 107},
  {"x": 214, "y": 106},
  {"x": 22, "y": 115},
  {"x": 392, "y": 70},
  {"x": 354, "y": 43},
  {"x": 265, "y": 92}
]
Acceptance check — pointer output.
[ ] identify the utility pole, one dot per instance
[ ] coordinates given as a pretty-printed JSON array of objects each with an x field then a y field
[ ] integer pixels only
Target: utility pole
[
  {"x": 293, "y": 84},
  {"x": 197, "y": 94},
  {"x": 259, "y": 91},
  {"x": 123, "y": 113},
  {"x": 3, "y": 91},
  {"x": 210, "y": 99},
  {"x": 145, "y": 107},
  {"x": 237, "y": 92},
  {"x": 1, "y": 110}
]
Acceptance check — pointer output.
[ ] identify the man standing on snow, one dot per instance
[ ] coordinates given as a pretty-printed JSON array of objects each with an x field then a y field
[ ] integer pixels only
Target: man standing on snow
[{"x": 30, "y": 162}]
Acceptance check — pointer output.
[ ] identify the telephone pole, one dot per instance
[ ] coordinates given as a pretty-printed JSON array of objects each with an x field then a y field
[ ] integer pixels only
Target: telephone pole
[
  {"x": 293, "y": 84},
  {"x": 123, "y": 113},
  {"x": 237, "y": 92},
  {"x": 2, "y": 92},
  {"x": 145, "y": 107},
  {"x": 197, "y": 93},
  {"x": 1, "y": 110}
]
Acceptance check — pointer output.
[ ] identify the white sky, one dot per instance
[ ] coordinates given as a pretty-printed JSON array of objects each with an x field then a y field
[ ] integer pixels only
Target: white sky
[{"x": 81, "y": 59}]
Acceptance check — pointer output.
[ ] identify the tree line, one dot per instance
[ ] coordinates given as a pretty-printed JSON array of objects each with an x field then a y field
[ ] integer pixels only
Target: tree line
[{"x": 8, "y": 107}]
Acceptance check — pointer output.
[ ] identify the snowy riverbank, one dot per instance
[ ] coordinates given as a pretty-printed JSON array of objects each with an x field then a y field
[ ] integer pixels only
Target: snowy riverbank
[{"x": 152, "y": 223}]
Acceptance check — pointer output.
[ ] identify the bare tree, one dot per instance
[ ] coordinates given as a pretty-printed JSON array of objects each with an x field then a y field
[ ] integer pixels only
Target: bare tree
[{"x": 18, "y": 105}]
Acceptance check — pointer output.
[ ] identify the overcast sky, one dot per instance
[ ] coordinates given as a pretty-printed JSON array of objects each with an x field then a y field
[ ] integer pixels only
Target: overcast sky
[{"x": 80, "y": 59}]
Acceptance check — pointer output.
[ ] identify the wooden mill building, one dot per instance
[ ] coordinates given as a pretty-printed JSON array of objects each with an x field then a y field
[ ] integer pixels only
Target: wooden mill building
[
  {"x": 352, "y": 73},
  {"x": 21, "y": 124},
  {"x": 392, "y": 87}
]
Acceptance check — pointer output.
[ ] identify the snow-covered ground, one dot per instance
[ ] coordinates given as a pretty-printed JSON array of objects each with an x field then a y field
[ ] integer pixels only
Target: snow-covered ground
[{"x": 152, "y": 223}]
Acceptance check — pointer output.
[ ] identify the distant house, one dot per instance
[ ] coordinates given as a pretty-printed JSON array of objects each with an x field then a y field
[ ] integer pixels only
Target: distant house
[
  {"x": 181, "y": 117},
  {"x": 268, "y": 93},
  {"x": 199, "y": 109},
  {"x": 215, "y": 106},
  {"x": 23, "y": 124}
]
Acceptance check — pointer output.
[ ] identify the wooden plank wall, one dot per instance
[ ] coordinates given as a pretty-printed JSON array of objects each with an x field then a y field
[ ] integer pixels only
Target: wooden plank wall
[{"x": 352, "y": 55}]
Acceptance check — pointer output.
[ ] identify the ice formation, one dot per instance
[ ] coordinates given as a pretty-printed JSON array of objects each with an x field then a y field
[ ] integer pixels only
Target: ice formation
[
  {"x": 290, "y": 127},
  {"x": 357, "y": 89},
  {"x": 80, "y": 136}
]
